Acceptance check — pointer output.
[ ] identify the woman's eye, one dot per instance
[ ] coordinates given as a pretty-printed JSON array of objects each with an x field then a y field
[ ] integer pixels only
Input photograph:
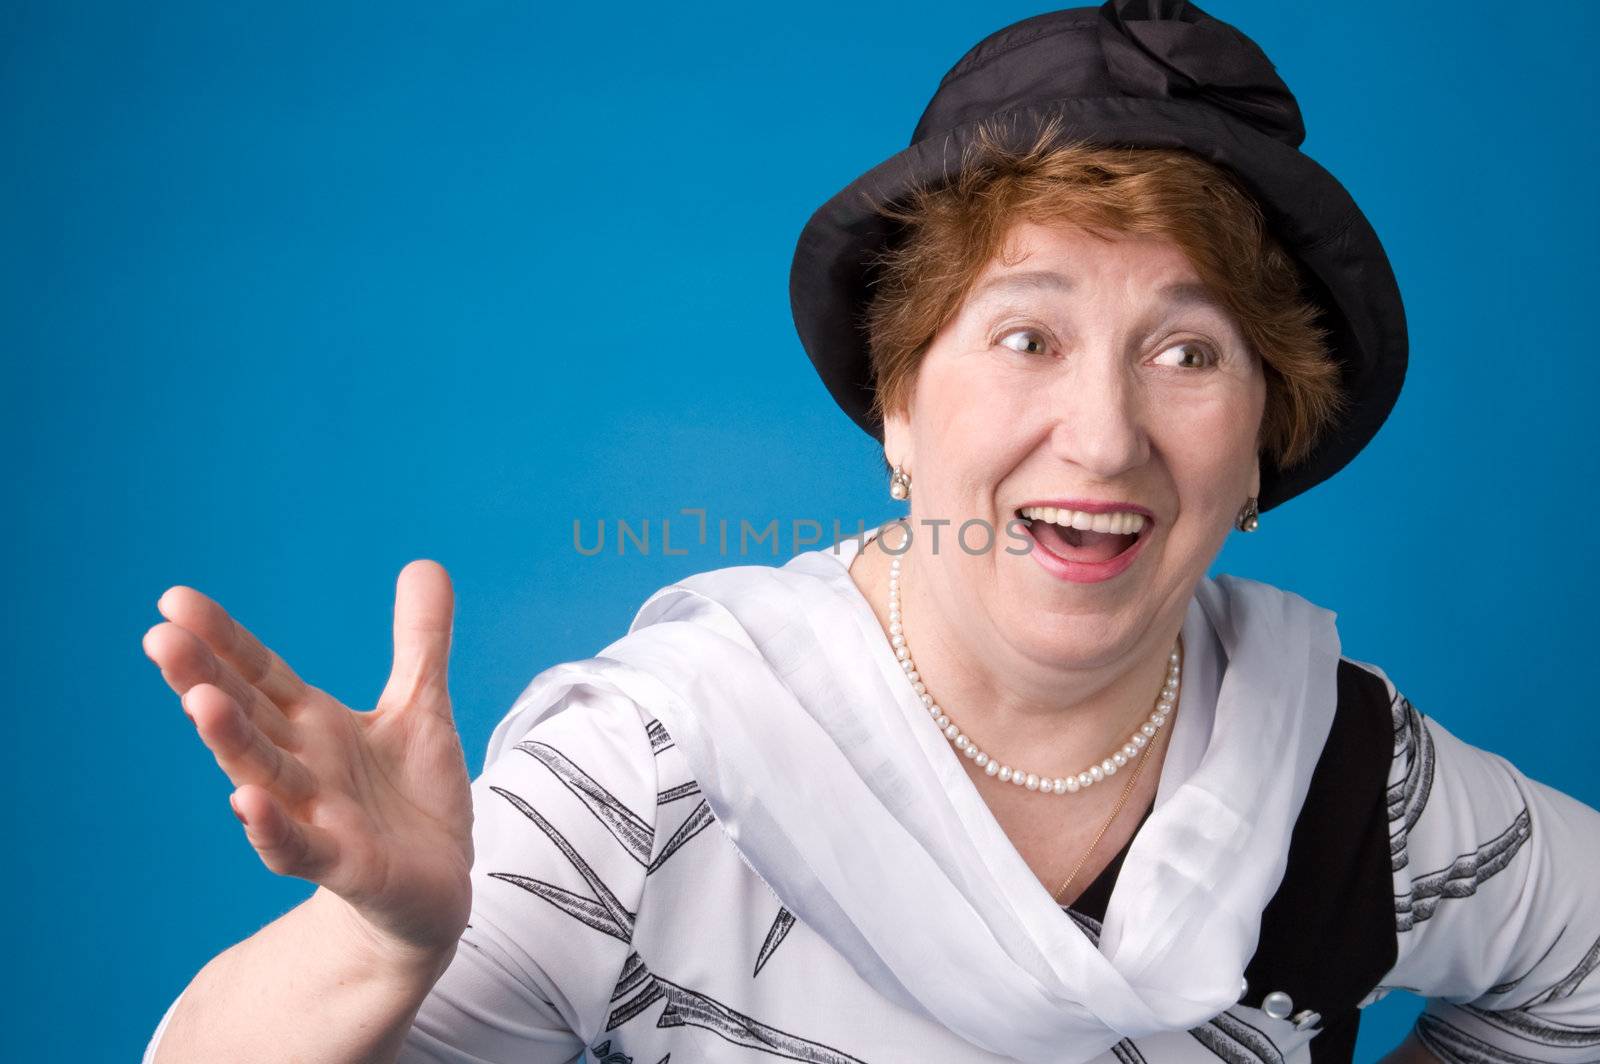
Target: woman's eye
[
  {"x": 1031, "y": 343},
  {"x": 1191, "y": 355}
]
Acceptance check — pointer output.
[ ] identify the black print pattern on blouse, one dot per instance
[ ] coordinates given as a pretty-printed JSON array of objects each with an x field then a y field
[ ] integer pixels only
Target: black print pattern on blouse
[
  {"x": 698, "y": 820},
  {"x": 1463, "y": 876},
  {"x": 682, "y": 790},
  {"x": 1414, "y": 743},
  {"x": 604, "y": 1054},
  {"x": 775, "y": 935},
  {"x": 1520, "y": 1022},
  {"x": 1511, "y": 984},
  {"x": 659, "y": 739},
  {"x": 604, "y": 912},
  {"x": 1236, "y": 1041},
  {"x": 1569, "y": 983},
  {"x": 1088, "y": 924},
  {"x": 1449, "y": 1042},
  {"x": 629, "y": 827},
  {"x": 638, "y": 990},
  {"x": 1539, "y": 1031},
  {"x": 1127, "y": 1053}
]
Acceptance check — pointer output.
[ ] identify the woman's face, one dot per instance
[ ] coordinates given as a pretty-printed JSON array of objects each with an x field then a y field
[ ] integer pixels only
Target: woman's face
[{"x": 1080, "y": 371}]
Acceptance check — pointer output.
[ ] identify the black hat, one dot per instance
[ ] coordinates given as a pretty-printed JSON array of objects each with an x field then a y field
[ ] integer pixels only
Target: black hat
[{"x": 1134, "y": 73}]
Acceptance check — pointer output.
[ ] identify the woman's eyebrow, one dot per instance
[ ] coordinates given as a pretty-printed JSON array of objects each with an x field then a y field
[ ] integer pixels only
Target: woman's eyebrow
[
  {"x": 1191, "y": 294},
  {"x": 1176, "y": 293},
  {"x": 1021, "y": 280}
]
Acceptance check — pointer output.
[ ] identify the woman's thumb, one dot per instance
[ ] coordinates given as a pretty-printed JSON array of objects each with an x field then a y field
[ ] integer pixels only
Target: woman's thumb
[{"x": 424, "y": 605}]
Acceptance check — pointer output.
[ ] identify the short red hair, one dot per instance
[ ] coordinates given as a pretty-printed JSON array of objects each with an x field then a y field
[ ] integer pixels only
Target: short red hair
[{"x": 952, "y": 230}]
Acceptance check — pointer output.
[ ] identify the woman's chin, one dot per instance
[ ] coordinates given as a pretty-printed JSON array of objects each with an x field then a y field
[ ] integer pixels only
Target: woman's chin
[{"x": 1081, "y": 640}]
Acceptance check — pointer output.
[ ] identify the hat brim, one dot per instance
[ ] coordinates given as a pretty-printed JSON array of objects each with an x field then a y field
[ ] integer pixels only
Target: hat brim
[{"x": 1308, "y": 210}]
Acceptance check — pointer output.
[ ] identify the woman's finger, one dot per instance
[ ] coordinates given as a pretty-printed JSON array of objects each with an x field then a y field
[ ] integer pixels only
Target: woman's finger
[
  {"x": 287, "y": 846},
  {"x": 242, "y": 750},
  {"x": 233, "y": 643},
  {"x": 186, "y": 661},
  {"x": 424, "y": 606}
]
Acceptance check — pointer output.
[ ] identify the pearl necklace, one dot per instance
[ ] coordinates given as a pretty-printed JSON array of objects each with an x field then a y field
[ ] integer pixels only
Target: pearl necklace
[{"x": 1060, "y": 784}]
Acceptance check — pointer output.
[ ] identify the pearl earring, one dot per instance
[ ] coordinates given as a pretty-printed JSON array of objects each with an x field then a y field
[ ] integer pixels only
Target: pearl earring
[
  {"x": 1249, "y": 517},
  {"x": 899, "y": 484}
]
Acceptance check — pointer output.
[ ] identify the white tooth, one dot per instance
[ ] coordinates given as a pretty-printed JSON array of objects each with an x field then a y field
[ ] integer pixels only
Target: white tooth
[
  {"x": 1026, "y": 513},
  {"x": 1135, "y": 522},
  {"x": 1101, "y": 523},
  {"x": 1119, "y": 523},
  {"x": 1047, "y": 513},
  {"x": 1081, "y": 521}
]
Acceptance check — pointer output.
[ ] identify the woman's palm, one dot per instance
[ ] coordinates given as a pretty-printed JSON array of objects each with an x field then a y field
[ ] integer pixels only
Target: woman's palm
[{"x": 373, "y": 806}]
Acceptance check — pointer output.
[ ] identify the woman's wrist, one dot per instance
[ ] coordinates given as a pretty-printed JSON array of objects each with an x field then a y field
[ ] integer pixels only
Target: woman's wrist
[{"x": 385, "y": 957}]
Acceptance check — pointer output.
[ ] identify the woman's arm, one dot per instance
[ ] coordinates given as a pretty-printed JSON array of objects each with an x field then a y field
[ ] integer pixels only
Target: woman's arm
[
  {"x": 563, "y": 832},
  {"x": 1496, "y": 921},
  {"x": 375, "y": 808},
  {"x": 335, "y": 994}
]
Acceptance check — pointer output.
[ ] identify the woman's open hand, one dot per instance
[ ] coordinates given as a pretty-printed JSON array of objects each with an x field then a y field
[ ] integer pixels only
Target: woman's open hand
[{"x": 373, "y": 806}]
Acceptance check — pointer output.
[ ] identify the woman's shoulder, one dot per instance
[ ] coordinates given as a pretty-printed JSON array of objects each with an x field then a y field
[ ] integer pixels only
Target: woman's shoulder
[
  {"x": 591, "y": 737},
  {"x": 1370, "y": 707},
  {"x": 1490, "y": 877},
  {"x": 744, "y": 598},
  {"x": 1425, "y": 862}
]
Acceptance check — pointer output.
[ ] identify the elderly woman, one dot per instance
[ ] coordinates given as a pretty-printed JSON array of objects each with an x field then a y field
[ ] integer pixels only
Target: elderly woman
[{"x": 1008, "y": 779}]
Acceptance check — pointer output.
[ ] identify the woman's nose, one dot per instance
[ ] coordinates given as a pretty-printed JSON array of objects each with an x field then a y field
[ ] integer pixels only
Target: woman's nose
[{"x": 1099, "y": 420}]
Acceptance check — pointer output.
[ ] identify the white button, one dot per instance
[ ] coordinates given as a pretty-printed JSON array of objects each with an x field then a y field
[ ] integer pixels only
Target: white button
[
  {"x": 1277, "y": 1005},
  {"x": 1244, "y": 987}
]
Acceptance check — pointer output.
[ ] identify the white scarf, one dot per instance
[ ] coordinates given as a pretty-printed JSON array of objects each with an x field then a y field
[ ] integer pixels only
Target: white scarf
[{"x": 814, "y": 753}]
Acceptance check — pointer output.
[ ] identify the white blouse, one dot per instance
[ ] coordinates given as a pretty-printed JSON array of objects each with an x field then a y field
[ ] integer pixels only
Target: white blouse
[{"x": 734, "y": 835}]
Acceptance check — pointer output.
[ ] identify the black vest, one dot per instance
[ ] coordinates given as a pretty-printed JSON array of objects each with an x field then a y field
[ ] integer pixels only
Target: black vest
[{"x": 1328, "y": 934}]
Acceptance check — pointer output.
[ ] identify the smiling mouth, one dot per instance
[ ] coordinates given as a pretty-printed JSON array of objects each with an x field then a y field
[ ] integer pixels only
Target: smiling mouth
[{"x": 1076, "y": 536}]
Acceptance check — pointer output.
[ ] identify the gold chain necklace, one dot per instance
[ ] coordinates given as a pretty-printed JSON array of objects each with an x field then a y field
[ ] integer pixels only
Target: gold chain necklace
[{"x": 1122, "y": 799}]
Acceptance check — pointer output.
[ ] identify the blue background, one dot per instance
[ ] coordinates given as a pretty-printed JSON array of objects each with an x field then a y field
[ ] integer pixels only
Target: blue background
[{"x": 290, "y": 296}]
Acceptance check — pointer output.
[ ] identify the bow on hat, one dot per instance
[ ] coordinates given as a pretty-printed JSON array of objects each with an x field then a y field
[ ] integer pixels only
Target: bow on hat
[{"x": 1170, "y": 49}]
